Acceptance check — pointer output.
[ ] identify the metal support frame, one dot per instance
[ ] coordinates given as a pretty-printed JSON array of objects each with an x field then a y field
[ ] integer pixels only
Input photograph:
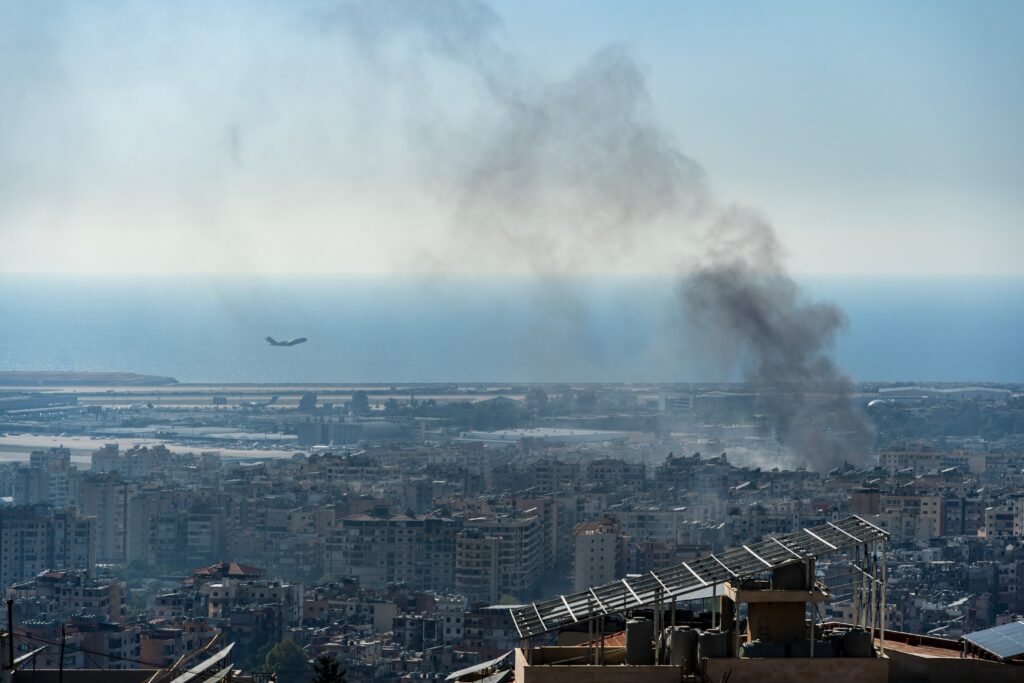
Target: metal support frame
[
  {"x": 818, "y": 538},
  {"x": 763, "y": 561},
  {"x": 810, "y": 594},
  {"x": 865, "y": 593},
  {"x": 722, "y": 564},
  {"x": 715, "y": 612},
  {"x": 696, "y": 575},
  {"x": 591, "y": 650},
  {"x": 843, "y": 531},
  {"x": 788, "y": 549},
  {"x": 539, "y": 617},
  {"x": 657, "y": 629},
  {"x": 885, "y": 573},
  {"x": 856, "y": 587},
  {"x": 632, "y": 592},
  {"x": 874, "y": 594},
  {"x": 739, "y": 563},
  {"x": 568, "y": 609}
]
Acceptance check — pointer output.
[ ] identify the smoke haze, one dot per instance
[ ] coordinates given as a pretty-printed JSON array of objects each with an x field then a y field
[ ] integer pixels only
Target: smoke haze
[
  {"x": 200, "y": 124},
  {"x": 577, "y": 176}
]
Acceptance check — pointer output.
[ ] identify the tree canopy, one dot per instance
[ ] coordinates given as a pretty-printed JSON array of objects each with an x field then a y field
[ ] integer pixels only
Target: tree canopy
[
  {"x": 327, "y": 670},
  {"x": 360, "y": 403},
  {"x": 289, "y": 662}
]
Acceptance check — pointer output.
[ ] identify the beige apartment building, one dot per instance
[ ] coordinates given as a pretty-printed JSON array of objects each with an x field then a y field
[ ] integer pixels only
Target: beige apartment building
[{"x": 599, "y": 553}]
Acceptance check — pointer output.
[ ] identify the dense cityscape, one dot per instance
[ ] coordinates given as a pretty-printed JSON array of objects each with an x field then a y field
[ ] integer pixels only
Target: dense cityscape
[
  {"x": 482, "y": 341},
  {"x": 392, "y": 527}
]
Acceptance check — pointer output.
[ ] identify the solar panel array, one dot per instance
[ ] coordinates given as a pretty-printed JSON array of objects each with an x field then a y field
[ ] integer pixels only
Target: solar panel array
[
  {"x": 738, "y": 563},
  {"x": 1005, "y": 642}
]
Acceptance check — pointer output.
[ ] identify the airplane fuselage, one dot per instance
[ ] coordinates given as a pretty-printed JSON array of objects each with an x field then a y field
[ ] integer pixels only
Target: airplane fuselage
[{"x": 286, "y": 342}]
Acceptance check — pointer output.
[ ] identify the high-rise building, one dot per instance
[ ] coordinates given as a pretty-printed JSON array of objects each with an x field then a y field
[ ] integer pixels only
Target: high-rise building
[
  {"x": 519, "y": 556},
  {"x": 105, "y": 497},
  {"x": 138, "y": 462},
  {"x": 156, "y": 526},
  {"x": 48, "y": 478},
  {"x": 35, "y": 538},
  {"x": 378, "y": 550},
  {"x": 477, "y": 566},
  {"x": 599, "y": 553}
]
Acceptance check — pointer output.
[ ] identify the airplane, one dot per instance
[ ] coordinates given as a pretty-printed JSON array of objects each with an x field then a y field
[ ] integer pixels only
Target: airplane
[
  {"x": 286, "y": 342},
  {"x": 256, "y": 405}
]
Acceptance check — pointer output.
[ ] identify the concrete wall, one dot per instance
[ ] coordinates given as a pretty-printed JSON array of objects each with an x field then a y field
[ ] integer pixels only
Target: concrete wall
[
  {"x": 776, "y": 622},
  {"x": 788, "y": 670},
  {"x": 613, "y": 673},
  {"x": 575, "y": 655},
  {"x": 910, "y": 667},
  {"x": 84, "y": 675}
]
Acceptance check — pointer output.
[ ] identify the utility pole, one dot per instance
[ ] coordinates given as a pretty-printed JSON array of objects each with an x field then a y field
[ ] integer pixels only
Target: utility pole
[
  {"x": 10, "y": 634},
  {"x": 60, "y": 673}
]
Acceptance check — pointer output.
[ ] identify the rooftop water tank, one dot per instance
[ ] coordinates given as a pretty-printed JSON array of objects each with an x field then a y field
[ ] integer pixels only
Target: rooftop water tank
[
  {"x": 639, "y": 641},
  {"x": 713, "y": 645}
]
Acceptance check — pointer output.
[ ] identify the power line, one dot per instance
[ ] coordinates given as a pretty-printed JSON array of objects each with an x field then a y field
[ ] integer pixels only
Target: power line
[{"x": 150, "y": 665}]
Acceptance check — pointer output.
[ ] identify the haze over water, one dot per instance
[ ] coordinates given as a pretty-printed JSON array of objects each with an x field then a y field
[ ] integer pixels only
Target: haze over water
[{"x": 464, "y": 329}]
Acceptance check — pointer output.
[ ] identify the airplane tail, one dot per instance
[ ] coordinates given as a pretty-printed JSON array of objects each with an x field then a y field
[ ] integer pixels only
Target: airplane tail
[
  {"x": 273, "y": 400},
  {"x": 271, "y": 340}
]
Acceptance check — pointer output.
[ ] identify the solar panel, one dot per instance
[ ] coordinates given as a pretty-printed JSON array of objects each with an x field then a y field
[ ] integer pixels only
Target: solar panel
[
  {"x": 477, "y": 667},
  {"x": 1005, "y": 642},
  {"x": 677, "y": 580},
  {"x": 200, "y": 668}
]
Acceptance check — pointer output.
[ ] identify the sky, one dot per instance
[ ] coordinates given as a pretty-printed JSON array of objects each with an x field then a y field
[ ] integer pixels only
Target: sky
[{"x": 317, "y": 136}]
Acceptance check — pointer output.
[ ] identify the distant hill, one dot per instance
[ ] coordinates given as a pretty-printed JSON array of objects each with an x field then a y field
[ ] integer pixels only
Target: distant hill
[{"x": 92, "y": 379}]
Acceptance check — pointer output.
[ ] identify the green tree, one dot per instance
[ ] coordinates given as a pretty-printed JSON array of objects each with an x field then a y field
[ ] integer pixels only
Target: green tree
[
  {"x": 536, "y": 400},
  {"x": 586, "y": 400},
  {"x": 288, "y": 662},
  {"x": 360, "y": 403},
  {"x": 327, "y": 670},
  {"x": 307, "y": 404}
]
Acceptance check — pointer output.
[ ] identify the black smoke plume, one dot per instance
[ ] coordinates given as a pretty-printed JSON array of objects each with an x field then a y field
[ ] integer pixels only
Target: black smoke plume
[
  {"x": 756, "y": 318},
  {"x": 576, "y": 176},
  {"x": 279, "y": 135}
]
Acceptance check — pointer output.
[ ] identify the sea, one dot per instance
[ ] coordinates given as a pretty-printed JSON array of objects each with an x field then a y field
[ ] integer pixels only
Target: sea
[{"x": 400, "y": 328}]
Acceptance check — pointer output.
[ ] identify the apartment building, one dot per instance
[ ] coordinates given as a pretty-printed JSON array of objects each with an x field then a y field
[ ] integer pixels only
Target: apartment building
[
  {"x": 615, "y": 472},
  {"x": 138, "y": 462},
  {"x": 48, "y": 478},
  {"x": 175, "y": 527},
  {"x": 380, "y": 550},
  {"x": 35, "y": 538},
  {"x": 105, "y": 497},
  {"x": 63, "y": 593},
  {"x": 912, "y": 515},
  {"x": 477, "y": 567},
  {"x": 518, "y": 546},
  {"x": 999, "y": 521},
  {"x": 599, "y": 553}
]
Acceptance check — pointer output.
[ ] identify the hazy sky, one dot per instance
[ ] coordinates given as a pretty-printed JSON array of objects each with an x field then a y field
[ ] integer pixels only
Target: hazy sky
[{"x": 297, "y": 136}]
